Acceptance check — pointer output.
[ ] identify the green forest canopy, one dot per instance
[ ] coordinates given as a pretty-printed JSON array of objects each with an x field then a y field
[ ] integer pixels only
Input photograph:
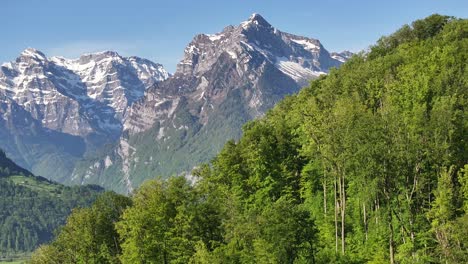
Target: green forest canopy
[{"x": 32, "y": 207}]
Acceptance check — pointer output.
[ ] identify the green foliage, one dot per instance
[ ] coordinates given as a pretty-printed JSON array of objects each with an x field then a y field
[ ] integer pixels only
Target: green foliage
[
  {"x": 463, "y": 179},
  {"x": 89, "y": 235},
  {"x": 32, "y": 207},
  {"x": 166, "y": 221},
  {"x": 419, "y": 30}
]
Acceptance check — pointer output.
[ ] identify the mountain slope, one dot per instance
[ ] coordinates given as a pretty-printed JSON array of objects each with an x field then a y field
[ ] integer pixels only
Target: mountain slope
[
  {"x": 54, "y": 110},
  {"x": 31, "y": 207},
  {"x": 223, "y": 81},
  {"x": 8, "y": 167}
]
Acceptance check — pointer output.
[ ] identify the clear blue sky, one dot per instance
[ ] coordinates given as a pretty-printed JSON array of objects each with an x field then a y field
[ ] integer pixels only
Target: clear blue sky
[{"x": 160, "y": 30}]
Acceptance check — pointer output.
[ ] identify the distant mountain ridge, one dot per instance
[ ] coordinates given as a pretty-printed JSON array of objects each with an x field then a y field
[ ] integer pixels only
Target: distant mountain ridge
[
  {"x": 54, "y": 110},
  {"x": 116, "y": 121},
  {"x": 96, "y": 89},
  {"x": 223, "y": 81}
]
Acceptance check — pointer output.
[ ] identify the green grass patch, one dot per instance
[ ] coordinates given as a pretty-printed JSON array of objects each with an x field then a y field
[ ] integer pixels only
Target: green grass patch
[{"x": 35, "y": 183}]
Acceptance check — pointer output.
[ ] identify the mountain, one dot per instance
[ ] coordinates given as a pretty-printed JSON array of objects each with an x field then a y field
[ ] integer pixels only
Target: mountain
[
  {"x": 32, "y": 207},
  {"x": 223, "y": 81},
  {"x": 54, "y": 110},
  {"x": 342, "y": 56}
]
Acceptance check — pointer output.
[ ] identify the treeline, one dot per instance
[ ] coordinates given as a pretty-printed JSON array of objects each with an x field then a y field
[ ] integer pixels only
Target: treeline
[
  {"x": 31, "y": 208},
  {"x": 367, "y": 165},
  {"x": 29, "y": 217},
  {"x": 8, "y": 167}
]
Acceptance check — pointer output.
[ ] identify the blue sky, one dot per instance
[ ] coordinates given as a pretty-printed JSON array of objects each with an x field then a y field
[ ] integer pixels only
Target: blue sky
[{"x": 160, "y": 30}]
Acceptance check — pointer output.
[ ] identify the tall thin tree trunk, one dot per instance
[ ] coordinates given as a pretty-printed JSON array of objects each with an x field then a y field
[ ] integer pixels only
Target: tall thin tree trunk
[
  {"x": 341, "y": 199},
  {"x": 376, "y": 205},
  {"x": 391, "y": 242},
  {"x": 336, "y": 219},
  {"x": 343, "y": 215},
  {"x": 324, "y": 192},
  {"x": 365, "y": 218}
]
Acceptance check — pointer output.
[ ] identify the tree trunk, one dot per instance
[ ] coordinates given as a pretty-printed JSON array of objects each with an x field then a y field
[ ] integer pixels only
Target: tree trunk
[
  {"x": 365, "y": 218},
  {"x": 343, "y": 215},
  {"x": 341, "y": 199},
  {"x": 324, "y": 193},
  {"x": 336, "y": 219},
  {"x": 391, "y": 243}
]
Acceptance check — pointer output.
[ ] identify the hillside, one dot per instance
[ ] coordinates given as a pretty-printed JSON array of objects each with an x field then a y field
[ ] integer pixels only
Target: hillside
[
  {"x": 366, "y": 165},
  {"x": 32, "y": 208},
  {"x": 8, "y": 167}
]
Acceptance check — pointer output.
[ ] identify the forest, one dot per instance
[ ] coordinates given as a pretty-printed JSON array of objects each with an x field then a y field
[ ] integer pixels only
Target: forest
[
  {"x": 367, "y": 164},
  {"x": 32, "y": 208}
]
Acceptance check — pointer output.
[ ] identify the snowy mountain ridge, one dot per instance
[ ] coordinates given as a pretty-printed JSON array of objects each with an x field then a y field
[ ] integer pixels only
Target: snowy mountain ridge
[
  {"x": 100, "y": 85},
  {"x": 116, "y": 121},
  {"x": 55, "y": 110},
  {"x": 223, "y": 80}
]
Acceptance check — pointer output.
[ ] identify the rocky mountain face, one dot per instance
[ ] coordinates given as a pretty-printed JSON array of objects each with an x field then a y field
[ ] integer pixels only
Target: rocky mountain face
[
  {"x": 223, "y": 81},
  {"x": 53, "y": 110}
]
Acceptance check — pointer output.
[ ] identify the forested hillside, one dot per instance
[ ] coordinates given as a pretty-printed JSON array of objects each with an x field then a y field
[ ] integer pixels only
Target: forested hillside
[
  {"x": 368, "y": 164},
  {"x": 8, "y": 167},
  {"x": 31, "y": 208}
]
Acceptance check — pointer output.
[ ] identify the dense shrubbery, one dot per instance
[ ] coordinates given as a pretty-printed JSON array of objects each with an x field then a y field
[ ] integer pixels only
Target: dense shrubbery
[
  {"x": 89, "y": 235},
  {"x": 368, "y": 164}
]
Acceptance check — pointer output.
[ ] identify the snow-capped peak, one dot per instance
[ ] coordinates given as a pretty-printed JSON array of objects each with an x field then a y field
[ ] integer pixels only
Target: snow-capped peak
[
  {"x": 255, "y": 20},
  {"x": 255, "y": 40},
  {"x": 258, "y": 20},
  {"x": 109, "y": 53},
  {"x": 33, "y": 53},
  {"x": 254, "y": 15}
]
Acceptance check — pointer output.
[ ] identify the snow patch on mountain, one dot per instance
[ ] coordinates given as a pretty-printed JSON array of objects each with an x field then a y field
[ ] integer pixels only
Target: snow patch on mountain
[
  {"x": 295, "y": 70},
  {"x": 307, "y": 44}
]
